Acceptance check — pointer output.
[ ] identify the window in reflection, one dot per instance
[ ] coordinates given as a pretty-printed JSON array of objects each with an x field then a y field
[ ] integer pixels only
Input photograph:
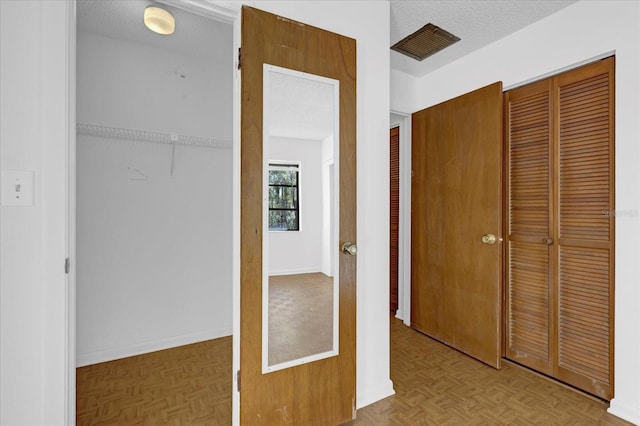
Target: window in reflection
[{"x": 284, "y": 193}]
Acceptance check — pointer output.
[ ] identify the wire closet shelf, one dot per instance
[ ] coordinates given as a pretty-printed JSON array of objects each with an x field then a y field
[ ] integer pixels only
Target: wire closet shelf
[{"x": 153, "y": 137}]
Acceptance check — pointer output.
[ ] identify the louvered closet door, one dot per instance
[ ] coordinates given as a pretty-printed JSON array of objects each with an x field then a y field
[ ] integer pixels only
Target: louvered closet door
[
  {"x": 560, "y": 228},
  {"x": 585, "y": 103},
  {"x": 528, "y": 313},
  {"x": 394, "y": 214}
]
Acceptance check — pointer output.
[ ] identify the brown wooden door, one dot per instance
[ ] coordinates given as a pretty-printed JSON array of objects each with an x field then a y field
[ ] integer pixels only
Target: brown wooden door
[
  {"x": 529, "y": 235},
  {"x": 456, "y": 199},
  {"x": 585, "y": 227},
  {"x": 560, "y": 234},
  {"x": 321, "y": 392},
  {"x": 394, "y": 214}
]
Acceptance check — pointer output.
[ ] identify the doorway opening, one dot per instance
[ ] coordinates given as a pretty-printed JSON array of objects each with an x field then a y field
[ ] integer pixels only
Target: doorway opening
[{"x": 154, "y": 199}]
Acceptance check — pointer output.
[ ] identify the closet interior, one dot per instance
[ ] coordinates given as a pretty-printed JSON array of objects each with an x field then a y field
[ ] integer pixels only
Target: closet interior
[{"x": 154, "y": 190}]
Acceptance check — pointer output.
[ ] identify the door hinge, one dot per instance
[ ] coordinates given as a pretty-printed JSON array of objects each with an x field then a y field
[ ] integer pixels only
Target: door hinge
[
  {"x": 239, "y": 57},
  {"x": 67, "y": 265},
  {"x": 238, "y": 380}
]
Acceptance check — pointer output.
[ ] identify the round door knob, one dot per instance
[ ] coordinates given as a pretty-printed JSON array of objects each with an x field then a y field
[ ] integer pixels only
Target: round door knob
[
  {"x": 349, "y": 248},
  {"x": 489, "y": 239}
]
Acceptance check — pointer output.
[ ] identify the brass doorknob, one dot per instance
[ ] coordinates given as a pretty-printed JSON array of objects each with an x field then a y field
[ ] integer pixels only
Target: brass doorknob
[
  {"x": 489, "y": 239},
  {"x": 349, "y": 248}
]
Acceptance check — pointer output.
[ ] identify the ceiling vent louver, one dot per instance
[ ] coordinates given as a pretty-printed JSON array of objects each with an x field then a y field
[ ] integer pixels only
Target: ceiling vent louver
[{"x": 425, "y": 42}]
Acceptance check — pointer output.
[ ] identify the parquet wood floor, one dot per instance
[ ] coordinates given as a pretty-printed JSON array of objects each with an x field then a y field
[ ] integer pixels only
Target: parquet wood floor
[
  {"x": 435, "y": 385},
  {"x": 187, "y": 385},
  {"x": 300, "y": 316}
]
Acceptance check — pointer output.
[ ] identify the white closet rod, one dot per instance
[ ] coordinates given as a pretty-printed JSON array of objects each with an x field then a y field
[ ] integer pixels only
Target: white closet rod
[{"x": 155, "y": 137}]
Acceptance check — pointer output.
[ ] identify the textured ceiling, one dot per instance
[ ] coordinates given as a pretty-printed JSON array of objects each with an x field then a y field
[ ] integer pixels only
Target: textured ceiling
[
  {"x": 122, "y": 19},
  {"x": 477, "y": 22},
  {"x": 300, "y": 108}
]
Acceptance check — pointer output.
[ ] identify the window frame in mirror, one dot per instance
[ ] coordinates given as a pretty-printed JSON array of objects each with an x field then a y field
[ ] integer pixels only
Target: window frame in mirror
[{"x": 274, "y": 164}]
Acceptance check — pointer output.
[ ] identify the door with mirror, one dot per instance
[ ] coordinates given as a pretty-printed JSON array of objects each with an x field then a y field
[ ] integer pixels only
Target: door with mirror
[{"x": 298, "y": 217}]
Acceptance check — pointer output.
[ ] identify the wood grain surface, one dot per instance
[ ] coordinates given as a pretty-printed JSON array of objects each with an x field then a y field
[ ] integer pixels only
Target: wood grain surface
[
  {"x": 560, "y": 232},
  {"x": 435, "y": 385},
  {"x": 456, "y": 198},
  {"x": 321, "y": 392}
]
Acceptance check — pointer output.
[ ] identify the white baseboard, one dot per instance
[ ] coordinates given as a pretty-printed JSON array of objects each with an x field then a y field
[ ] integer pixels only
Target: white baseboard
[
  {"x": 626, "y": 412},
  {"x": 151, "y": 346},
  {"x": 295, "y": 271},
  {"x": 369, "y": 396},
  {"x": 400, "y": 314}
]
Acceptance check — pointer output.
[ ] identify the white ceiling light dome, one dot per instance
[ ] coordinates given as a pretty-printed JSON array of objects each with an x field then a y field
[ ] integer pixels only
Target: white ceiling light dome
[{"x": 159, "y": 20}]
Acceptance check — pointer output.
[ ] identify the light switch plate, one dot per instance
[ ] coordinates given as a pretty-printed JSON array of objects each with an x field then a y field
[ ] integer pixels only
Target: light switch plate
[{"x": 17, "y": 187}]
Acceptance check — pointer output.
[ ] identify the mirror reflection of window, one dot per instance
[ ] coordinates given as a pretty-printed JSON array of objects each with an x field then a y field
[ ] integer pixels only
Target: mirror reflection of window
[{"x": 284, "y": 196}]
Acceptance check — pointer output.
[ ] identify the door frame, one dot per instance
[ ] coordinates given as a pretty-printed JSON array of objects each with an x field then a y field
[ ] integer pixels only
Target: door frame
[
  {"x": 223, "y": 11},
  {"x": 403, "y": 121}
]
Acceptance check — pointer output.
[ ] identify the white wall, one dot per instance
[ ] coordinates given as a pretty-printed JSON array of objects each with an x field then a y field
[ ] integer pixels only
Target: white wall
[
  {"x": 21, "y": 228},
  {"x": 329, "y": 204},
  {"x": 153, "y": 258},
  {"x": 33, "y": 136},
  {"x": 299, "y": 252},
  {"x": 34, "y": 58},
  {"x": 575, "y": 34},
  {"x": 126, "y": 84},
  {"x": 404, "y": 98}
]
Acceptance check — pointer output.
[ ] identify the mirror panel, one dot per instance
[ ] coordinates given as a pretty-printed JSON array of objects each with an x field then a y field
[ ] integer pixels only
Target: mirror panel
[{"x": 300, "y": 218}]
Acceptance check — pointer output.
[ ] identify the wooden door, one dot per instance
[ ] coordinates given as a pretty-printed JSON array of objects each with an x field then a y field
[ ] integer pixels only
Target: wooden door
[
  {"x": 321, "y": 392},
  {"x": 529, "y": 234},
  {"x": 394, "y": 214},
  {"x": 560, "y": 233},
  {"x": 456, "y": 200},
  {"x": 584, "y": 227}
]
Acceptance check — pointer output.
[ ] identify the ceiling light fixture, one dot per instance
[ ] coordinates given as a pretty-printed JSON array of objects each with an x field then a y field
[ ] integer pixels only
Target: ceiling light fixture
[{"x": 159, "y": 20}]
